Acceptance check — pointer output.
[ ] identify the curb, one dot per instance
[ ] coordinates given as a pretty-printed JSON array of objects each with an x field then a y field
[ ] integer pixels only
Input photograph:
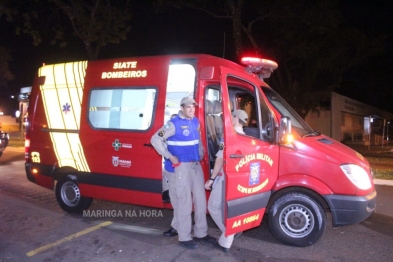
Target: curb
[{"x": 384, "y": 182}]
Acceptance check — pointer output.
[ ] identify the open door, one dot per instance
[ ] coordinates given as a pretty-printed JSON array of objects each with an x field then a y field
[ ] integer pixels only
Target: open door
[{"x": 251, "y": 159}]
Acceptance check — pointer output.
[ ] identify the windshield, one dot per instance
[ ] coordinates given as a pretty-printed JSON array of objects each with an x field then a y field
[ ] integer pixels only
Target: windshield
[{"x": 298, "y": 124}]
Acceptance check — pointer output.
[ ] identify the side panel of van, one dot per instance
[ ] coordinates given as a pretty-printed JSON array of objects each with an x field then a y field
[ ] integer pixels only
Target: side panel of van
[{"x": 92, "y": 123}]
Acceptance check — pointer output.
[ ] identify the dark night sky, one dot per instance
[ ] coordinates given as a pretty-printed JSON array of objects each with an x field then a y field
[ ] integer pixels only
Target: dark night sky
[
  {"x": 187, "y": 31},
  {"x": 183, "y": 31}
]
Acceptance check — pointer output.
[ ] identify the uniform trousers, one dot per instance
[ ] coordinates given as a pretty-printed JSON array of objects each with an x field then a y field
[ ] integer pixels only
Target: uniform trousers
[
  {"x": 215, "y": 207},
  {"x": 186, "y": 186},
  {"x": 165, "y": 180}
]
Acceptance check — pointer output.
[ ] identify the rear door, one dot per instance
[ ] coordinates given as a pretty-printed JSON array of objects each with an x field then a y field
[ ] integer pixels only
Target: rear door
[
  {"x": 123, "y": 113},
  {"x": 123, "y": 106},
  {"x": 251, "y": 161}
]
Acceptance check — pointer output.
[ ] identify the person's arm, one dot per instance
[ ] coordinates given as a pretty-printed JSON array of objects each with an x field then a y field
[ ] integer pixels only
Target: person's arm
[
  {"x": 217, "y": 167},
  {"x": 218, "y": 164},
  {"x": 159, "y": 138},
  {"x": 201, "y": 148}
]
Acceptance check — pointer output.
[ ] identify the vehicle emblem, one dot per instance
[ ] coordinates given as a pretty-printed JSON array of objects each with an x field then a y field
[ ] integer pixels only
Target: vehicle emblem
[
  {"x": 66, "y": 108},
  {"x": 116, "y": 144},
  {"x": 254, "y": 174},
  {"x": 115, "y": 160}
]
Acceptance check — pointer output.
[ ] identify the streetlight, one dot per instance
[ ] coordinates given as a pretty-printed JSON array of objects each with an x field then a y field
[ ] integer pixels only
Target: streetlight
[
  {"x": 383, "y": 131},
  {"x": 369, "y": 131}
]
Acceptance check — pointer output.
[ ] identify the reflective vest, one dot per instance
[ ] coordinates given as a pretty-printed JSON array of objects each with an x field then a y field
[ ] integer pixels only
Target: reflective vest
[
  {"x": 168, "y": 166},
  {"x": 184, "y": 144}
]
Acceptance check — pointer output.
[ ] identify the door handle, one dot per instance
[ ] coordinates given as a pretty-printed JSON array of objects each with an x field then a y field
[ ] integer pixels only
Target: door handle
[
  {"x": 236, "y": 156},
  {"x": 148, "y": 145}
]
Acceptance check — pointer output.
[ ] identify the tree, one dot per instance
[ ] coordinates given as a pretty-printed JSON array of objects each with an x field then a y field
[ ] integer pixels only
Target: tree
[
  {"x": 96, "y": 22},
  {"x": 6, "y": 10},
  {"x": 307, "y": 38},
  {"x": 231, "y": 10},
  {"x": 313, "y": 48},
  {"x": 5, "y": 73},
  {"x": 5, "y": 57}
]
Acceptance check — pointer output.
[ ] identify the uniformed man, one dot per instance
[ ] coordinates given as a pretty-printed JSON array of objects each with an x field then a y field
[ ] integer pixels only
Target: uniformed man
[
  {"x": 239, "y": 119},
  {"x": 179, "y": 141}
]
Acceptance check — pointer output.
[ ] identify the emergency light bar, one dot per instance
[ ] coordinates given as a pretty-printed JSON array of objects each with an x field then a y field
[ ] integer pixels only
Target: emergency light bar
[{"x": 260, "y": 66}]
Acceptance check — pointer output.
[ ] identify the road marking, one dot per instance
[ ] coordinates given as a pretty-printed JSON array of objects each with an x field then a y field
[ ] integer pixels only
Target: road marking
[
  {"x": 70, "y": 237},
  {"x": 136, "y": 229}
]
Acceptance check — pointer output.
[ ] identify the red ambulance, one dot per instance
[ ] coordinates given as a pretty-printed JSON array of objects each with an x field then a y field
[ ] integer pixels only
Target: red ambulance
[{"x": 90, "y": 125}]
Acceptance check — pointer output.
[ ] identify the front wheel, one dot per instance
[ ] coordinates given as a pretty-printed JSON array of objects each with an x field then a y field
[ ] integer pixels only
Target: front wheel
[
  {"x": 69, "y": 197},
  {"x": 297, "y": 220}
]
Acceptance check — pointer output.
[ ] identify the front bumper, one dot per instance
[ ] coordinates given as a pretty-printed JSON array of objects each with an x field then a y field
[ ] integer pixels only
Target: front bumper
[{"x": 349, "y": 210}]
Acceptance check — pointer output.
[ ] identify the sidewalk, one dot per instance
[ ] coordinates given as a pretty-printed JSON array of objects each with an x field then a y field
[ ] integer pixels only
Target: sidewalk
[{"x": 384, "y": 182}]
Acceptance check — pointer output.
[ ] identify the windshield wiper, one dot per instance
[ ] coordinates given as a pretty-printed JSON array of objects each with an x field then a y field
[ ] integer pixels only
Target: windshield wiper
[{"x": 313, "y": 133}]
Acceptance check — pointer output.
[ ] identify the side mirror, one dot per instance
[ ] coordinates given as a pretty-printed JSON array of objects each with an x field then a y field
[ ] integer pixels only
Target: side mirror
[{"x": 284, "y": 132}]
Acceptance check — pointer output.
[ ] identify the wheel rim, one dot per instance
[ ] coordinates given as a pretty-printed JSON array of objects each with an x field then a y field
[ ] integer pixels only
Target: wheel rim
[
  {"x": 70, "y": 193},
  {"x": 297, "y": 221}
]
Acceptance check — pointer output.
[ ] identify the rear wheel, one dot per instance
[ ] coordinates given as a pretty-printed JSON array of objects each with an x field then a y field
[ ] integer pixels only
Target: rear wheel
[
  {"x": 69, "y": 197},
  {"x": 297, "y": 220}
]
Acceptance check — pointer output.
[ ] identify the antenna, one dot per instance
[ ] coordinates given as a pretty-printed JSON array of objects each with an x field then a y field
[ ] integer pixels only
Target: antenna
[{"x": 223, "y": 48}]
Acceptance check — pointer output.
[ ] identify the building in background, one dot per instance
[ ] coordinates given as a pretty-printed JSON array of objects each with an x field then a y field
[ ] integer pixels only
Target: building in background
[
  {"x": 12, "y": 121},
  {"x": 352, "y": 122}
]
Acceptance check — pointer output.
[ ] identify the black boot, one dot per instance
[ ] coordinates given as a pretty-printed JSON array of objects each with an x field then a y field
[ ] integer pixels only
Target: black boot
[{"x": 170, "y": 233}]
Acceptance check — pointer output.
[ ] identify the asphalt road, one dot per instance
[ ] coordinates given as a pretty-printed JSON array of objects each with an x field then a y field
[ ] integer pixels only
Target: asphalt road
[{"x": 34, "y": 228}]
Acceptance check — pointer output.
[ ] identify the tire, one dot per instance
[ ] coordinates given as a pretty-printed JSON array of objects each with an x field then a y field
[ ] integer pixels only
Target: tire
[
  {"x": 297, "y": 220},
  {"x": 69, "y": 197}
]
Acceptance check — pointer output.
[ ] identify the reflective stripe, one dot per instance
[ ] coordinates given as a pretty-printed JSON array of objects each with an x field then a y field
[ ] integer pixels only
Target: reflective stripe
[
  {"x": 62, "y": 95},
  {"x": 183, "y": 143}
]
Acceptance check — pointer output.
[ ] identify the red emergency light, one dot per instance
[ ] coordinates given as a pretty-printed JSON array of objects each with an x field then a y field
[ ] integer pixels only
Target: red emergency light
[{"x": 260, "y": 66}]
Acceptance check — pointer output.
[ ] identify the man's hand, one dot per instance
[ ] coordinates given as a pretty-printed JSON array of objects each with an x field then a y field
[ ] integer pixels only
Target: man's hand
[
  {"x": 174, "y": 160},
  {"x": 208, "y": 184}
]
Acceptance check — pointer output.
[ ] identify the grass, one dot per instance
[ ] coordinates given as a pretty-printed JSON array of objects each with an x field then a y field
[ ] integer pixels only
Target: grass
[
  {"x": 382, "y": 173},
  {"x": 380, "y": 160}
]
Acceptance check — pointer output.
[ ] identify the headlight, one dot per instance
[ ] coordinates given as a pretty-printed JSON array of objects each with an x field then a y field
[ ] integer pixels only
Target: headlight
[{"x": 357, "y": 175}]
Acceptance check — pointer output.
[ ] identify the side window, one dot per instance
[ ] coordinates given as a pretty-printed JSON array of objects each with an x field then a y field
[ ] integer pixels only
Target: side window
[
  {"x": 129, "y": 109},
  {"x": 247, "y": 97}
]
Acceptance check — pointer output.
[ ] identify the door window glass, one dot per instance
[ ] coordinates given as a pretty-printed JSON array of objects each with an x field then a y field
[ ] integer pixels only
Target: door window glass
[
  {"x": 213, "y": 122},
  {"x": 246, "y": 96}
]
